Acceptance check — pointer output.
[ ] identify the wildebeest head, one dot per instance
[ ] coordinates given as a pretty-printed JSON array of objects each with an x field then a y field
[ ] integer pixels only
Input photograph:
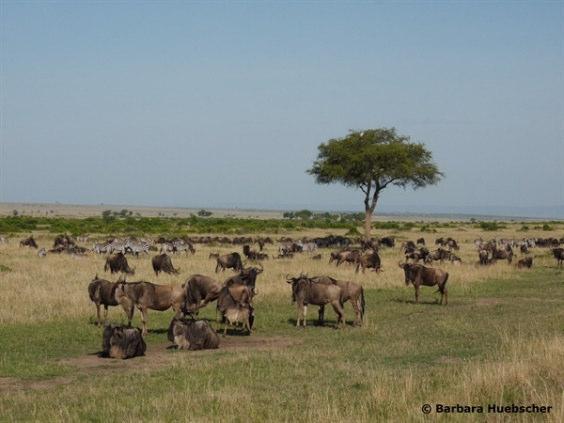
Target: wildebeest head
[
  {"x": 410, "y": 271},
  {"x": 298, "y": 283},
  {"x": 249, "y": 275}
]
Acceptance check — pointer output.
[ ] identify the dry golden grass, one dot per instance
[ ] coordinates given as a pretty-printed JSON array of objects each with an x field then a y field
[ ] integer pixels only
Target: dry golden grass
[{"x": 54, "y": 287}]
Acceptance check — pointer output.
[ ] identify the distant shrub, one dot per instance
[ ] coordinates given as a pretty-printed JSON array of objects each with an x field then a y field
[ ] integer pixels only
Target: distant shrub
[
  {"x": 524, "y": 228},
  {"x": 204, "y": 213},
  {"x": 491, "y": 226},
  {"x": 353, "y": 232},
  {"x": 546, "y": 227},
  {"x": 4, "y": 268}
]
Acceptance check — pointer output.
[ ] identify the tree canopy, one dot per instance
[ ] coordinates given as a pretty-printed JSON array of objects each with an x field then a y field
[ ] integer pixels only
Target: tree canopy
[{"x": 372, "y": 160}]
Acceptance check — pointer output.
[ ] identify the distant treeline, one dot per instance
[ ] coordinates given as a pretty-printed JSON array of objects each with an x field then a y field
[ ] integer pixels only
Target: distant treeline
[{"x": 134, "y": 225}]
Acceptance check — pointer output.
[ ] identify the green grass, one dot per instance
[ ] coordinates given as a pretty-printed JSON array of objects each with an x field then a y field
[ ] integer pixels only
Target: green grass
[{"x": 423, "y": 351}]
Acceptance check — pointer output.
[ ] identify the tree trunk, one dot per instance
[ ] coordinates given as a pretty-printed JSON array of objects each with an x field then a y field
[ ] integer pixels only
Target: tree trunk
[{"x": 368, "y": 222}]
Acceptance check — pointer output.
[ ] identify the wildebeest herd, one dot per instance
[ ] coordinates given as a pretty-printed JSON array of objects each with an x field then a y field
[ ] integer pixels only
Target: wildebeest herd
[{"x": 234, "y": 297}]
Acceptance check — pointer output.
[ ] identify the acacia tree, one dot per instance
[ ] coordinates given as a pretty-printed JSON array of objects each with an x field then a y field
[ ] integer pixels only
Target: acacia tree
[{"x": 372, "y": 160}]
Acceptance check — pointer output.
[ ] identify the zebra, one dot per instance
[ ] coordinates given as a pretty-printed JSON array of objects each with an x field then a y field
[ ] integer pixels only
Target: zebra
[{"x": 135, "y": 247}]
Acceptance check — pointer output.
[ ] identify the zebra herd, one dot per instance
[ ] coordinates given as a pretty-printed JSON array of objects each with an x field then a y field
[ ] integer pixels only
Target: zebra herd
[{"x": 136, "y": 246}]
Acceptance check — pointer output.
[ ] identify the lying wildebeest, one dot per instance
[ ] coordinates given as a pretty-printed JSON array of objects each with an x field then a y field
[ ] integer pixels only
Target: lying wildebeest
[
  {"x": 387, "y": 241},
  {"x": 149, "y": 296},
  {"x": 190, "y": 334},
  {"x": 28, "y": 242},
  {"x": 558, "y": 254},
  {"x": 163, "y": 263},
  {"x": 369, "y": 261},
  {"x": 234, "y": 306},
  {"x": 316, "y": 257},
  {"x": 118, "y": 263},
  {"x": 525, "y": 262},
  {"x": 419, "y": 275},
  {"x": 122, "y": 342},
  {"x": 306, "y": 291},
  {"x": 229, "y": 261},
  {"x": 200, "y": 290},
  {"x": 103, "y": 292}
]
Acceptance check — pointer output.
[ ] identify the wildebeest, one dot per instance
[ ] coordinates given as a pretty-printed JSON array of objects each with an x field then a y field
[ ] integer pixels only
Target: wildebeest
[
  {"x": 387, "y": 241},
  {"x": 420, "y": 241},
  {"x": 122, "y": 342},
  {"x": 484, "y": 257},
  {"x": 316, "y": 257},
  {"x": 525, "y": 262},
  {"x": 502, "y": 255},
  {"x": 63, "y": 241},
  {"x": 234, "y": 305},
  {"x": 149, "y": 296},
  {"x": 28, "y": 242},
  {"x": 350, "y": 291},
  {"x": 103, "y": 292},
  {"x": 558, "y": 254},
  {"x": 369, "y": 261},
  {"x": 253, "y": 255},
  {"x": 118, "y": 263},
  {"x": 200, "y": 290},
  {"x": 247, "y": 277},
  {"x": 190, "y": 334},
  {"x": 419, "y": 275},
  {"x": 306, "y": 291},
  {"x": 163, "y": 263},
  {"x": 229, "y": 261}
]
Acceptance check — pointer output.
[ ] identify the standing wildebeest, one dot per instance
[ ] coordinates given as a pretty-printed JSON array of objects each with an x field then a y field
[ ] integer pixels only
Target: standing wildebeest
[
  {"x": 350, "y": 291},
  {"x": 190, "y": 334},
  {"x": 122, "y": 342},
  {"x": 558, "y": 255},
  {"x": 118, "y": 263},
  {"x": 200, "y": 290},
  {"x": 247, "y": 277},
  {"x": 229, "y": 261},
  {"x": 163, "y": 263},
  {"x": 103, "y": 292},
  {"x": 369, "y": 261},
  {"x": 419, "y": 275},
  {"x": 28, "y": 242},
  {"x": 253, "y": 255},
  {"x": 421, "y": 241},
  {"x": 234, "y": 305},
  {"x": 147, "y": 295},
  {"x": 525, "y": 262},
  {"x": 484, "y": 256},
  {"x": 306, "y": 291}
]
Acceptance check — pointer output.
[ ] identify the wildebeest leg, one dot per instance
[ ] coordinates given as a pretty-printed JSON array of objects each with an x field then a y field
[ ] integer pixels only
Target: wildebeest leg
[
  {"x": 127, "y": 306},
  {"x": 417, "y": 294},
  {"x": 143, "y": 311},
  {"x": 300, "y": 308},
  {"x": 356, "y": 307},
  {"x": 339, "y": 311},
  {"x": 321, "y": 314},
  {"x": 98, "y": 314},
  {"x": 105, "y": 313},
  {"x": 305, "y": 315}
]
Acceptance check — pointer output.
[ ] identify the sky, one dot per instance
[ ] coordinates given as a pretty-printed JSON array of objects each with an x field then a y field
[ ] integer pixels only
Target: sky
[{"x": 224, "y": 104}]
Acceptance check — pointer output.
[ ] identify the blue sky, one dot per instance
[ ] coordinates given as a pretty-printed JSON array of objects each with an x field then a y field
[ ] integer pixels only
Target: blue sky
[{"x": 224, "y": 104}]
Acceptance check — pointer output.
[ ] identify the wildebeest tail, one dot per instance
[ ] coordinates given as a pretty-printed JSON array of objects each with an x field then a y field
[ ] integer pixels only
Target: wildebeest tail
[{"x": 107, "y": 265}]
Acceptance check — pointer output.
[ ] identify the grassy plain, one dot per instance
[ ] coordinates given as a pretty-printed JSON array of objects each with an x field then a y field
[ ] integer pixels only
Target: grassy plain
[{"x": 500, "y": 340}]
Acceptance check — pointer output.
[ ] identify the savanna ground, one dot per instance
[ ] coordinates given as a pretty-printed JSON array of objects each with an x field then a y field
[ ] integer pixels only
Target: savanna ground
[{"x": 500, "y": 340}]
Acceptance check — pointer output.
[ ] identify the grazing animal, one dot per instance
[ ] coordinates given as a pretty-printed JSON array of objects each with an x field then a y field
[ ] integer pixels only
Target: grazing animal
[
  {"x": 163, "y": 263},
  {"x": 369, "y": 261},
  {"x": 118, "y": 263},
  {"x": 246, "y": 277},
  {"x": 103, "y": 292},
  {"x": 229, "y": 261},
  {"x": 419, "y": 275},
  {"x": 28, "y": 242},
  {"x": 307, "y": 291},
  {"x": 502, "y": 255},
  {"x": 350, "y": 291},
  {"x": 387, "y": 241},
  {"x": 558, "y": 254},
  {"x": 122, "y": 342},
  {"x": 234, "y": 306},
  {"x": 316, "y": 257},
  {"x": 253, "y": 255},
  {"x": 200, "y": 290},
  {"x": 525, "y": 262},
  {"x": 190, "y": 334},
  {"x": 421, "y": 241},
  {"x": 149, "y": 296}
]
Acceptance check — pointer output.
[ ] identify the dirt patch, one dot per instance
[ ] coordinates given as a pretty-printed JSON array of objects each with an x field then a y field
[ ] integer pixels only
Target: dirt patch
[{"x": 156, "y": 356}]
